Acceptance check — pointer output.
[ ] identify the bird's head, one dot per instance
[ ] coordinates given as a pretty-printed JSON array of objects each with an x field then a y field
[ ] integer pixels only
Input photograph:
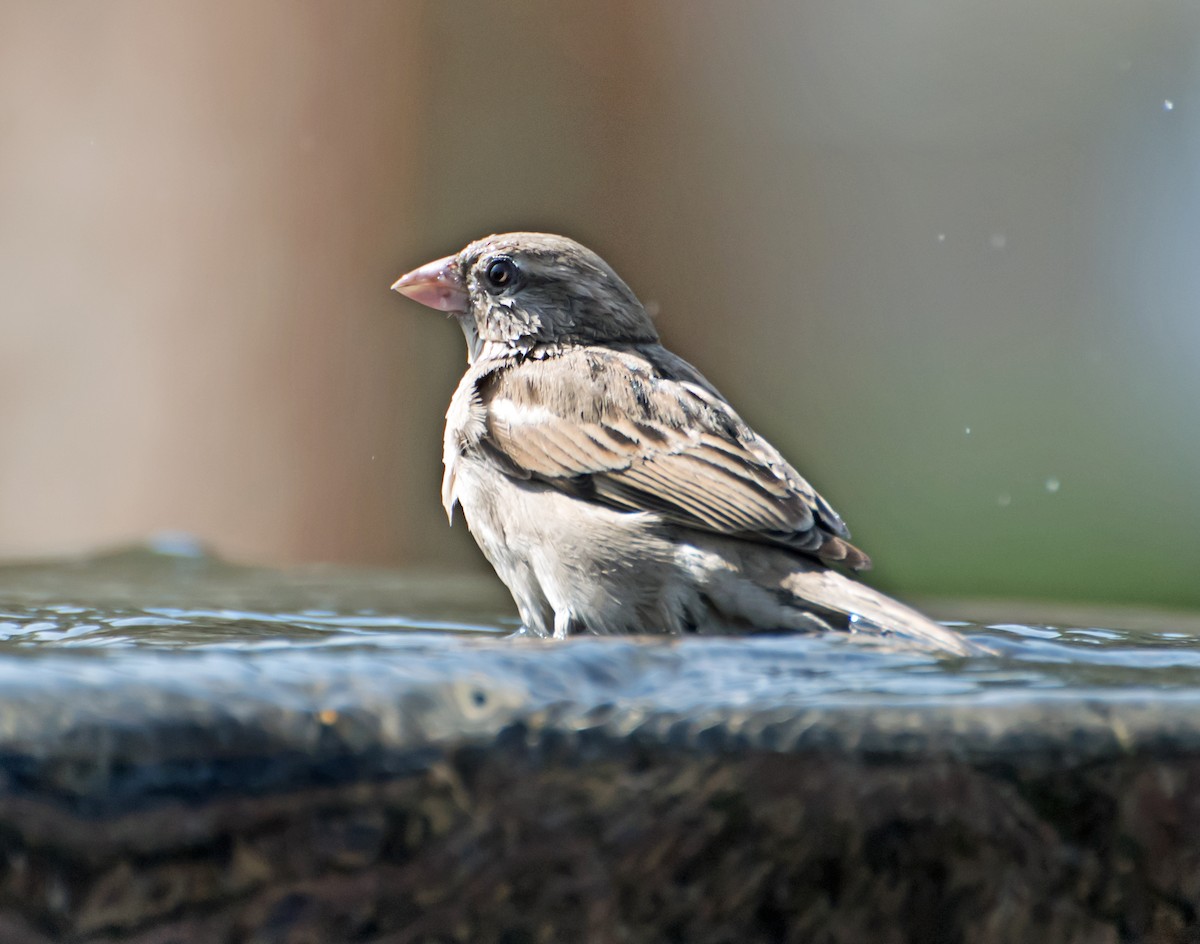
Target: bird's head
[{"x": 528, "y": 293}]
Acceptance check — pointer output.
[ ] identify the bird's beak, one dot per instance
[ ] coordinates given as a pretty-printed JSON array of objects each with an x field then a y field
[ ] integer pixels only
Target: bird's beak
[{"x": 437, "y": 284}]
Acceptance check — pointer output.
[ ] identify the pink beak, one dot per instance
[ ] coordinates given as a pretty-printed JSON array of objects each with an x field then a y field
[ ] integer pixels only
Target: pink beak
[{"x": 436, "y": 284}]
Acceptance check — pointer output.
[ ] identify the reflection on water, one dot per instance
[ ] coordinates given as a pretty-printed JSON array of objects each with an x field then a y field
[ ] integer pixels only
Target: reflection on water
[{"x": 140, "y": 607}]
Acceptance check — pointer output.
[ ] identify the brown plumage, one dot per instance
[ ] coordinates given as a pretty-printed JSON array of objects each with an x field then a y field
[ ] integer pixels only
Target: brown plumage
[
  {"x": 639, "y": 429},
  {"x": 610, "y": 485}
]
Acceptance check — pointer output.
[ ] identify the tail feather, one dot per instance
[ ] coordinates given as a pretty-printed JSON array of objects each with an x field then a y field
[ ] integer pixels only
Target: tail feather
[
  {"x": 756, "y": 587},
  {"x": 866, "y": 610}
]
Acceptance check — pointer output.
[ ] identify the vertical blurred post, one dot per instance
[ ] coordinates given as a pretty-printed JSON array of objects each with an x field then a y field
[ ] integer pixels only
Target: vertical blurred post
[{"x": 201, "y": 208}]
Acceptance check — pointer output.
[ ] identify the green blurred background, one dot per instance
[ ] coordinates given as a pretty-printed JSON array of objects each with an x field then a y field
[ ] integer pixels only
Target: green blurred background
[{"x": 945, "y": 253}]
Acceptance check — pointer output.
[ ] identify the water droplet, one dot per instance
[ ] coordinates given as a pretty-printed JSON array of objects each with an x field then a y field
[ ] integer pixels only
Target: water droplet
[
  {"x": 1053, "y": 485},
  {"x": 1004, "y": 499},
  {"x": 941, "y": 237},
  {"x": 997, "y": 240},
  {"x": 968, "y": 430},
  {"x": 1168, "y": 105}
]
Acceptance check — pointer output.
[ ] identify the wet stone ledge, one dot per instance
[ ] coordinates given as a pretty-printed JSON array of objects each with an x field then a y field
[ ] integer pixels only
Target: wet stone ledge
[
  {"x": 509, "y": 792},
  {"x": 195, "y": 752}
]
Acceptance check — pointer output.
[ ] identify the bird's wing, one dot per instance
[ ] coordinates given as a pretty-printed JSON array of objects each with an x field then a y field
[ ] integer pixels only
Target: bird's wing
[{"x": 642, "y": 430}]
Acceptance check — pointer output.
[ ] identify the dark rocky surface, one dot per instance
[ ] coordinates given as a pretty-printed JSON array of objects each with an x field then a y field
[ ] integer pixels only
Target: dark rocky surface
[
  {"x": 195, "y": 753},
  {"x": 471, "y": 797}
]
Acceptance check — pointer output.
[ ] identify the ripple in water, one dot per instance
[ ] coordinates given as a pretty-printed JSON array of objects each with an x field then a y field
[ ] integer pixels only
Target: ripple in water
[{"x": 133, "y": 609}]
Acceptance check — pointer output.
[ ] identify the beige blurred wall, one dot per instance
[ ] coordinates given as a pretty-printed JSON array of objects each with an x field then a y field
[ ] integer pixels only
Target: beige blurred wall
[
  {"x": 876, "y": 226},
  {"x": 201, "y": 207}
]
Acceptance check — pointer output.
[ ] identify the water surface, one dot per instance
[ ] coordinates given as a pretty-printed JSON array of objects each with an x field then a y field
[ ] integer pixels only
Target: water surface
[{"x": 174, "y": 615}]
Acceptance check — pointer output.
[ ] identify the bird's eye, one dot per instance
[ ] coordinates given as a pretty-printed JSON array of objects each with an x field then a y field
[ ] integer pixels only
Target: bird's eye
[{"x": 501, "y": 274}]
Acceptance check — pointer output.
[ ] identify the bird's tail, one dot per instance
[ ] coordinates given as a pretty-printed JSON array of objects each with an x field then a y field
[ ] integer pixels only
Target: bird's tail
[
  {"x": 861, "y": 609},
  {"x": 760, "y": 588}
]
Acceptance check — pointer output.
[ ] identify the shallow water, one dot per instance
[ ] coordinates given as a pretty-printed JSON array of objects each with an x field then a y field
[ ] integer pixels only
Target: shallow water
[{"x": 176, "y": 617}]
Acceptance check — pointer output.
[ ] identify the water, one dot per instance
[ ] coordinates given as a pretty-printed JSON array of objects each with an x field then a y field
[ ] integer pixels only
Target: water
[{"x": 181, "y": 620}]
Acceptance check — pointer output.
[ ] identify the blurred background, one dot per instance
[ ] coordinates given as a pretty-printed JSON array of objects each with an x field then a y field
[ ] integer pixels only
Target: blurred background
[{"x": 944, "y": 253}]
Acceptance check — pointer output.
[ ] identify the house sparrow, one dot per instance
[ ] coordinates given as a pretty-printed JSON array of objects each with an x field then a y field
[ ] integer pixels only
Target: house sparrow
[{"x": 610, "y": 485}]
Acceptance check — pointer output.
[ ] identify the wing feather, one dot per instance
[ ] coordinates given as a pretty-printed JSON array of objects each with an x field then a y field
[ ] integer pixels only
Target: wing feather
[{"x": 646, "y": 432}]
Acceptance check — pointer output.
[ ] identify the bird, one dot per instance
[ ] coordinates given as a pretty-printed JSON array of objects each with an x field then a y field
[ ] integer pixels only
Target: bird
[{"x": 612, "y": 488}]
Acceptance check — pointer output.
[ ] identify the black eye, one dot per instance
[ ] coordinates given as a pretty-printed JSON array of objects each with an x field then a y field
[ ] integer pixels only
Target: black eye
[{"x": 501, "y": 274}]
